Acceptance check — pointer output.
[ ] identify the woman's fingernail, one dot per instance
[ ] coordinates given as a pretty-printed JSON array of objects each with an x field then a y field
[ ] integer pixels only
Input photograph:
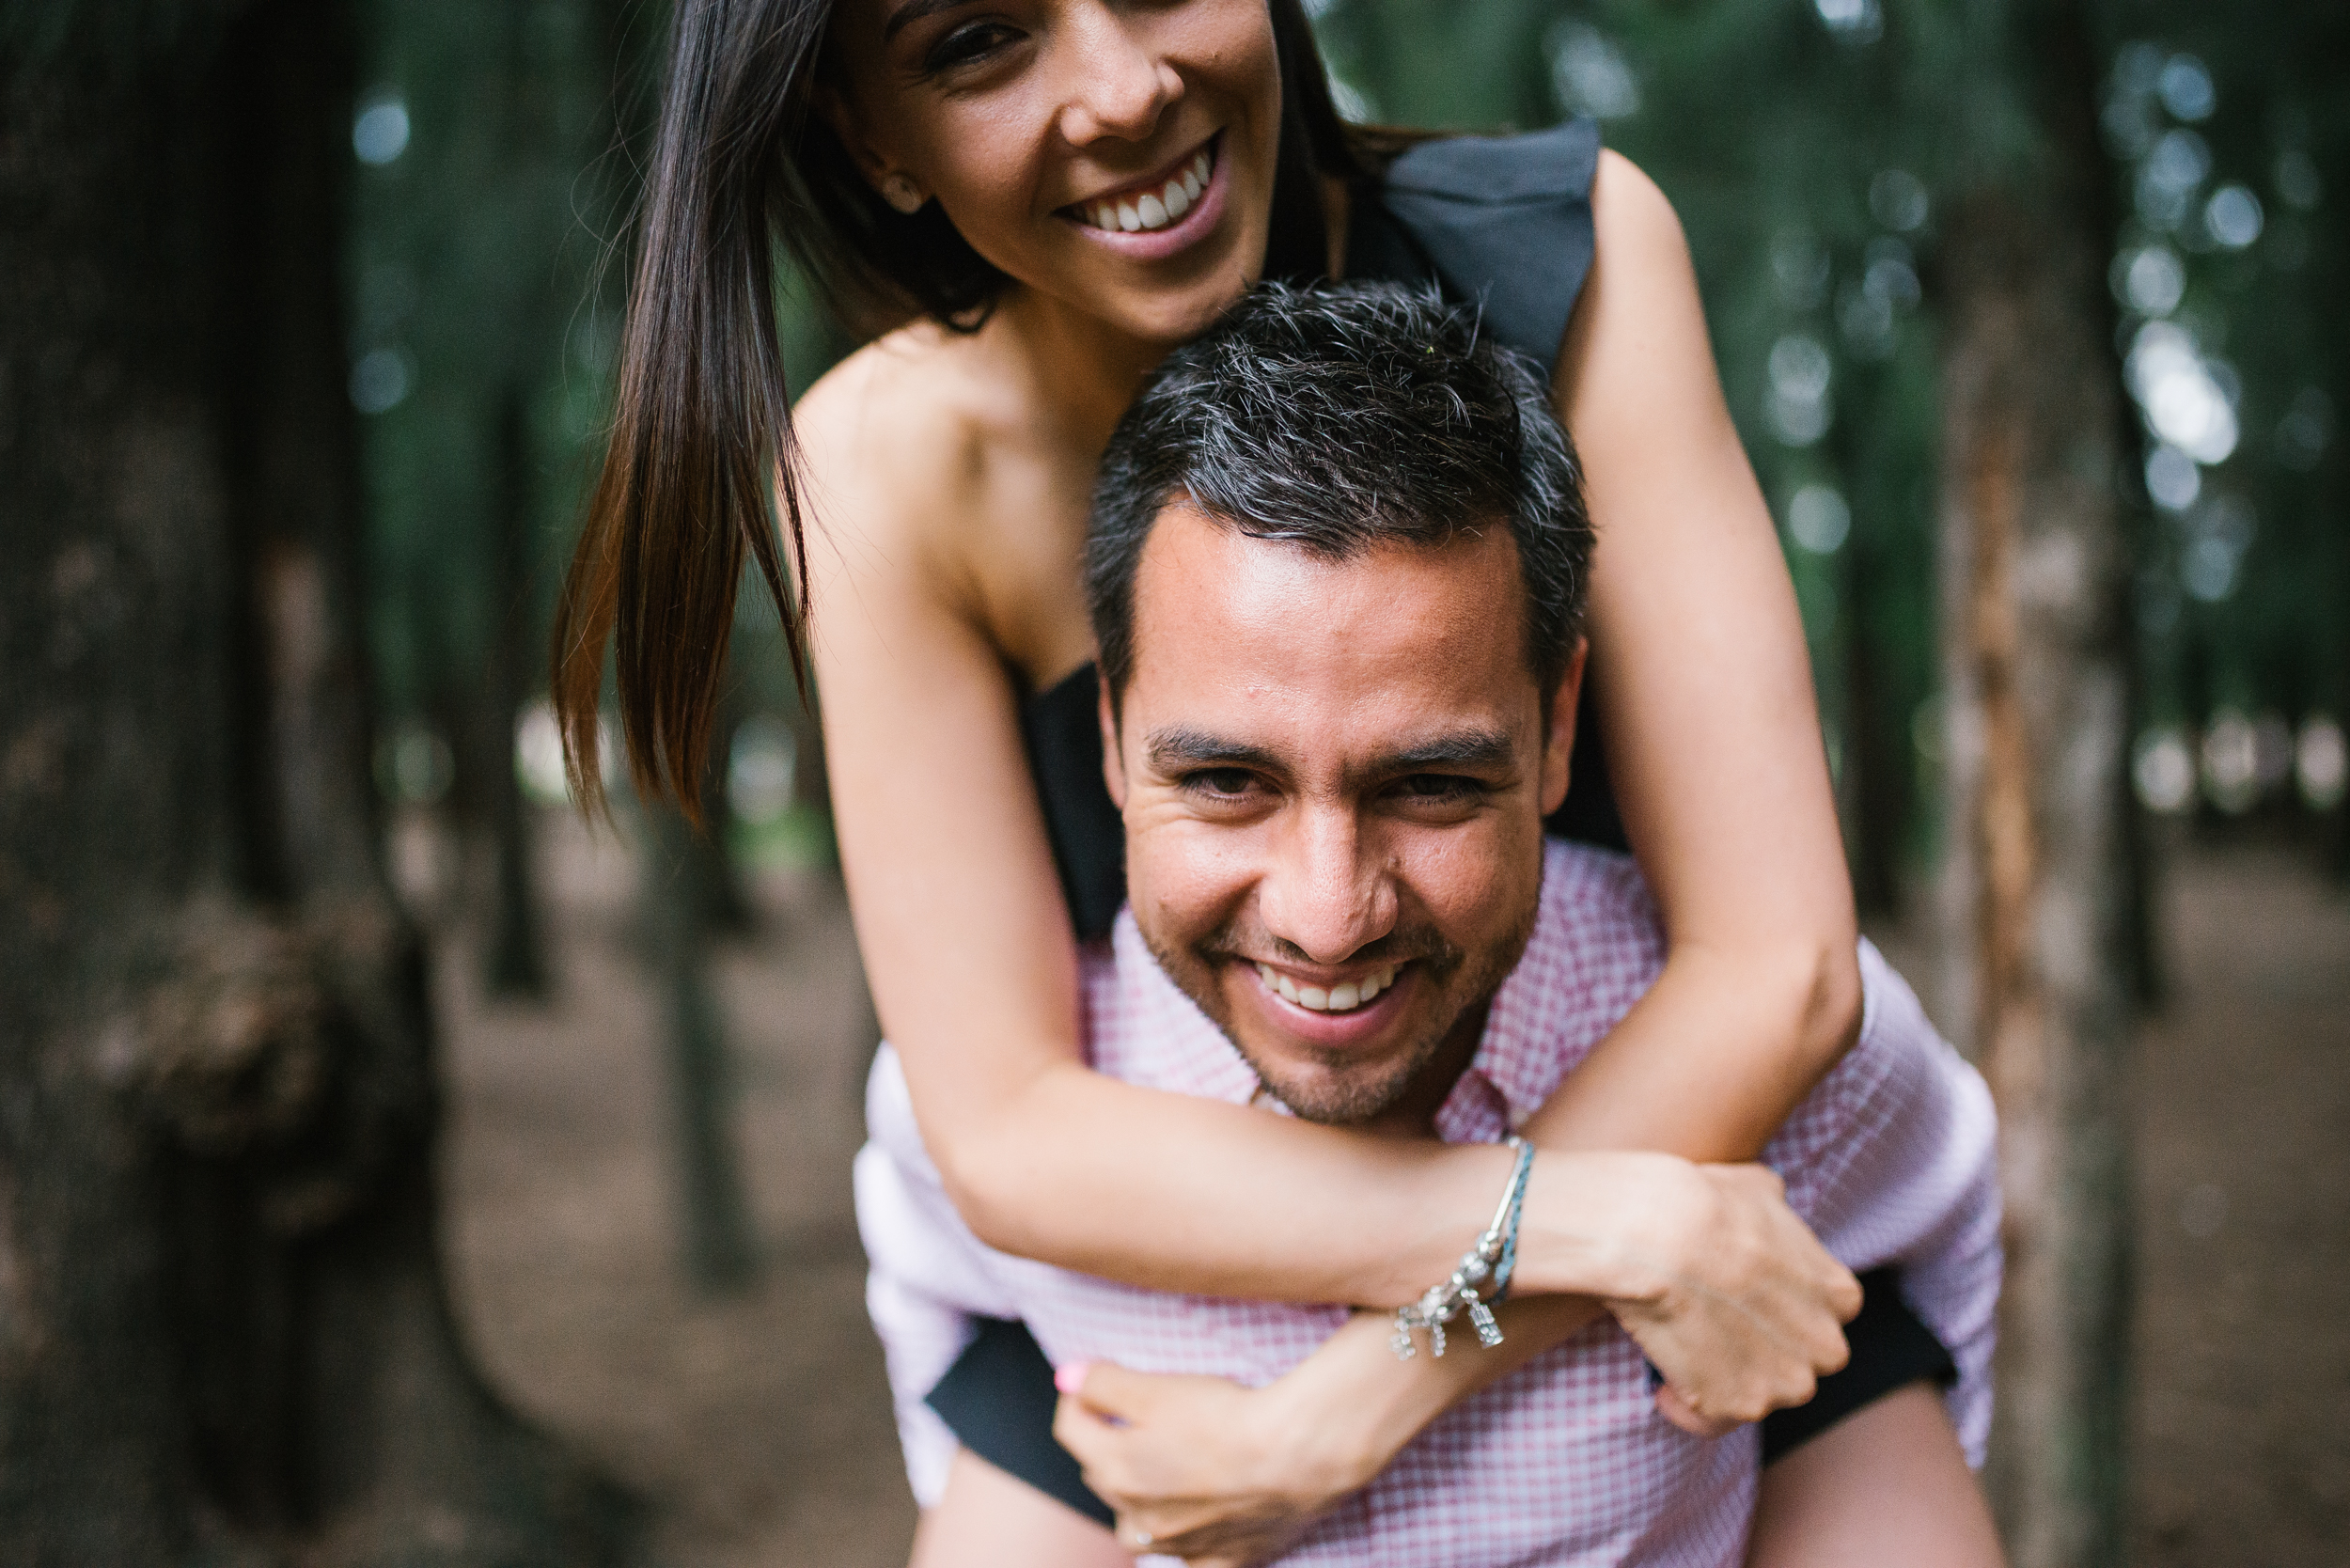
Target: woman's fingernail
[{"x": 1071, "y": 1378}]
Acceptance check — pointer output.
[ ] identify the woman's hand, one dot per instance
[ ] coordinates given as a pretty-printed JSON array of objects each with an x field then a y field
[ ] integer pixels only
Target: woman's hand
[
  {"x": 1705, "y": 1265},
  {"x": 1203, "y": 1468},
  {"x": 1729, "y": 1293}
]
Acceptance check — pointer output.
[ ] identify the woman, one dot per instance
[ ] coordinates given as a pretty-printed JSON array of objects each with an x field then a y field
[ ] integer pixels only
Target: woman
[{"x": 1041, "y": 197}]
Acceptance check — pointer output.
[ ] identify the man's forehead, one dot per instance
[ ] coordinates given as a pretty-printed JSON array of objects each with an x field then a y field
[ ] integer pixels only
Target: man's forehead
[
  {"x": 1262, "y": 653},
  {"x": 1208, "y": 592}
]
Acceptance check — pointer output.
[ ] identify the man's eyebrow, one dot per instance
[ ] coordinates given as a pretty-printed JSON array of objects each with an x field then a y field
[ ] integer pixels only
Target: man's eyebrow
[
  {"x": 1463, "y": 748},
  {"x": 913, "y": 11},
  {"x": 1178, "y": 747}
]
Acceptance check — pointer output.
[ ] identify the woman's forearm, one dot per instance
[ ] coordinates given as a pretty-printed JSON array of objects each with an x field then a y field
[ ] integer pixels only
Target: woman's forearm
[
  {"x": 1172, "y": 1192},
  {"x": 1703, "y": 687},
  {"x": 1714, "y": 1056},
  {"x": 1352, "y": 1405}
]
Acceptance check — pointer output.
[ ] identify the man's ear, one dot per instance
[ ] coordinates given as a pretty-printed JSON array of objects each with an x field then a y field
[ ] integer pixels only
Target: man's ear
[
  {"x": 1558, "y": 744},
  {"x": 1113, "y": 764}
]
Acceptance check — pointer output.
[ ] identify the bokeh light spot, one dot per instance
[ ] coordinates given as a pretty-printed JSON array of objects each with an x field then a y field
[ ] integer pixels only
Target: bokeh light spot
[
  {"x": 380, "y": 133},
  {"x": 1818, "y": 519}
]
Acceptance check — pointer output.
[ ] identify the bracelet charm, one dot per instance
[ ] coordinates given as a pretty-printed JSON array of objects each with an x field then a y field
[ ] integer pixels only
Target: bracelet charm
[{"x": 1495, "y": 1254}]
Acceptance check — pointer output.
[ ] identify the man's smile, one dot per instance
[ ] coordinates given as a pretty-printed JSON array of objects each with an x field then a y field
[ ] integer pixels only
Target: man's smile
[
  {"x": 1344, "y": 996},
  {"x": 1361, "y": 1012}
]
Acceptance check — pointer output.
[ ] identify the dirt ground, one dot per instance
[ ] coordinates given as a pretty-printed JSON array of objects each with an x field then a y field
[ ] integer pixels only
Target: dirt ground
[
  {"x": 757, "y": 1424},
  {"x": 2242, "y": 1354}
]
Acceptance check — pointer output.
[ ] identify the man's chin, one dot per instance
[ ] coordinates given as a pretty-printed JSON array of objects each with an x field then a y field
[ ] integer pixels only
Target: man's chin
[
  {"x": 1336, "y": 1099},
  {"x": 1328, "y": 1067}
]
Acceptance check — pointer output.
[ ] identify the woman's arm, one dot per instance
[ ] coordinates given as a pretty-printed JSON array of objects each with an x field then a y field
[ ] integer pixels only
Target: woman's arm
[
  {"x": 1705, "y": 695},
  {"x": 1699, "y": 656},
  {"x": 968, "y": 949},
  {"x": 968, "y": 946},
  {"x": 971, "y": 960}
]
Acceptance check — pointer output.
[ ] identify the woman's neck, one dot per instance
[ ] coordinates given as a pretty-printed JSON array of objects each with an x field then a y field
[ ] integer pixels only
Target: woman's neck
[{"x": 1085, "y": 369}]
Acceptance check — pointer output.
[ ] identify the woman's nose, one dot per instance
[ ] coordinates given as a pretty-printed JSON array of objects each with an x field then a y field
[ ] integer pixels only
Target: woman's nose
[{"x": 1120, "y": 83}]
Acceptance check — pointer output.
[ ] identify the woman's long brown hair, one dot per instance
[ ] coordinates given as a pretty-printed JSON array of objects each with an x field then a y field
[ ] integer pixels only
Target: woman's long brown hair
[{"x": 700, "y": 471}]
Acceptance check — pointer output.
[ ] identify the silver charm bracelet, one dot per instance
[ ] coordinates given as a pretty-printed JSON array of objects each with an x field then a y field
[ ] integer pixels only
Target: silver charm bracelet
[{"x": 1496, "y": 1255}]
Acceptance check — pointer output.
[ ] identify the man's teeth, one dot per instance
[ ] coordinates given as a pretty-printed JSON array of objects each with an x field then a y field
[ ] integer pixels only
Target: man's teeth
[
  {"x": 1339, "y": 998},
  {"x": 1161, "y": 207}
]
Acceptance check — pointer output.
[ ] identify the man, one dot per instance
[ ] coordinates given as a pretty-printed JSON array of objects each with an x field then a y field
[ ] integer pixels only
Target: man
[{"x": 1336, "y": 580}]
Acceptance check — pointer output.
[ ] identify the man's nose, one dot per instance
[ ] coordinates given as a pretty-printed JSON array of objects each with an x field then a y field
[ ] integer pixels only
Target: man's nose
[
  {"x": 1327, "y": 892},
  {"x": 1119, "y": 84}
]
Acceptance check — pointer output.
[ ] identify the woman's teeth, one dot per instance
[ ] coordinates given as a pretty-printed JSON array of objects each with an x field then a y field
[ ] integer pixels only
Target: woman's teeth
[
  {"x": 1159, "y": 208},
  {"x": 1338, "y": 999}
]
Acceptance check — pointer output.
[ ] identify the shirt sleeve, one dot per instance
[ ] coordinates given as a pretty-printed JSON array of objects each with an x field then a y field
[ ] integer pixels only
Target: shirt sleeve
[
  {"x": 1892, "y": 1160},
  {"x": 929, "y": 1279}
]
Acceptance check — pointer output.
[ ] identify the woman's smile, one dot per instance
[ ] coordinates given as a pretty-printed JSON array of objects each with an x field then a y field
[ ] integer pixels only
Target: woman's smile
[
  {"x": 1151, "y": 203},
  {"x": 1160, "y": 215}
]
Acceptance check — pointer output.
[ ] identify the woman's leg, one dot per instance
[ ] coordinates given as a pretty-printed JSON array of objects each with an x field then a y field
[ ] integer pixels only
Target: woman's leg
[
  {"x": 1884, "y": 1484},
  {"x": 987, "y": 1519}
]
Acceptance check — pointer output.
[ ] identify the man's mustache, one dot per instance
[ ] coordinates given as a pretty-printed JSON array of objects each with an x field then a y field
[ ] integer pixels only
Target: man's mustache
[{"x": 1405, "y": 945}]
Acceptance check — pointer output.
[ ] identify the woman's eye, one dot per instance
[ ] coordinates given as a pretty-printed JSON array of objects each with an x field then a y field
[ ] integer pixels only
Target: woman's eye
[{"x": 967, "y": 45}]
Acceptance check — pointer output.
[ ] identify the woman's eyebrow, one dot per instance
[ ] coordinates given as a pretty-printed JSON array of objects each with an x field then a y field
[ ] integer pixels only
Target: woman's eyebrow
[{"x": 913, "y": 11}]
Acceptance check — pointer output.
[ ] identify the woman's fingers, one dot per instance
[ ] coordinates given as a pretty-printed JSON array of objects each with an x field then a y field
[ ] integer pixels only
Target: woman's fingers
[
  {"x": 1175, "y": 1457},
  {"x": 1108, "y": 1390},
  {"x": 1749, "y": 1308},
  {"x": 1677, "y": 1410}
]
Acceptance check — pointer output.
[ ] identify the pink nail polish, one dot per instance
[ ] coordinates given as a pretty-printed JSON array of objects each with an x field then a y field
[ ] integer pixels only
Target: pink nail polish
[{"x": 1071, "y": 1378}]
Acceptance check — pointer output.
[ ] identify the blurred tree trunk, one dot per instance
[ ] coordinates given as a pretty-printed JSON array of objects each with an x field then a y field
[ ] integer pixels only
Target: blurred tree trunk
[
  {"x": 517, "y": 963},
  {"x": 224, "y": 1330},
  {"x": 686, "y": 886},
  {"x": 2035, "y": 654}
]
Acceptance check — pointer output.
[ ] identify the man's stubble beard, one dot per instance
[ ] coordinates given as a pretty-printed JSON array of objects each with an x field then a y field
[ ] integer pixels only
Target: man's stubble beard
[{"x": 1340, "y": 1097}]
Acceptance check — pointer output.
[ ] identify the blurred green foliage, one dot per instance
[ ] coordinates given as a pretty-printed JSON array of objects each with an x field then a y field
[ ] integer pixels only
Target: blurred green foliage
[{"x": 486, "y": 197}]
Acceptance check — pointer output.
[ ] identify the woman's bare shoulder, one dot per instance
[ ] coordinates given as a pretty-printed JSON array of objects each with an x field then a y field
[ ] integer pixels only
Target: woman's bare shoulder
[
  {"x": 1639, "y": 330},
  {"x": 1632, "y": 216},
  {"x": 890, "y": 447}
]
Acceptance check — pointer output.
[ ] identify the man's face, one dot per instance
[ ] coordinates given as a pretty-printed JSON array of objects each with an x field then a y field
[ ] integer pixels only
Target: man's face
[{"x": 1333, "y": 777}]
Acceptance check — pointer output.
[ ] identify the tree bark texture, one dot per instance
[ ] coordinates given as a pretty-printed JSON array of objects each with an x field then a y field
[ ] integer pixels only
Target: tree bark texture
[
  {"x": 2037, "y": 881},
  {"x": 224, "y": 1333}
]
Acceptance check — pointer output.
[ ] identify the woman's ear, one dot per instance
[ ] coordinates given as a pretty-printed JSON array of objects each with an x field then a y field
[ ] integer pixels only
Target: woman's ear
[
  {"x": 1559, "y": 735},
  {"x": 879, "y": 170}
]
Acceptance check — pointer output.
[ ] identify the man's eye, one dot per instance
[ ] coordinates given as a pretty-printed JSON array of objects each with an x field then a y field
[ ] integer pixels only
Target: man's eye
[
  {"x": 1221, "y": 781},
  {"x": 966, "y": 45},
  {"x": 1437, "y": 787}
]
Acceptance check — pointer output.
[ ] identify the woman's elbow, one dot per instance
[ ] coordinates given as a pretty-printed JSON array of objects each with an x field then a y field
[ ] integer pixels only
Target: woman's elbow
[
  {"x": 982, "y": 1182},
  {"x": 1001, "y": 1164},
  {"x": 1827, "y": 975}
]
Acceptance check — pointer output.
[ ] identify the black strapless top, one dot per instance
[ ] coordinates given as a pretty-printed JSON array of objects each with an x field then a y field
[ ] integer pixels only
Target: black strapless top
[{"x": 1503, "y": 223}]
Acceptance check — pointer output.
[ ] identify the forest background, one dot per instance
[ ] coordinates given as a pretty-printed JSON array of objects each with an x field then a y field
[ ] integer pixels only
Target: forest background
[{"x": 2027, "y": 311}]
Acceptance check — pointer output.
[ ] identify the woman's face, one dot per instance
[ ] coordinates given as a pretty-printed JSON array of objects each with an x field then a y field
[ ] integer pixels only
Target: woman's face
[{"x": 1117, "y": 155}]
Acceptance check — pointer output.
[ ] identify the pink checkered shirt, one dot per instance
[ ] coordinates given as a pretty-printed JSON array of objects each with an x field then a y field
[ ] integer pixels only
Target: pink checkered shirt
[{"x": 1889, "y": 1161}]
